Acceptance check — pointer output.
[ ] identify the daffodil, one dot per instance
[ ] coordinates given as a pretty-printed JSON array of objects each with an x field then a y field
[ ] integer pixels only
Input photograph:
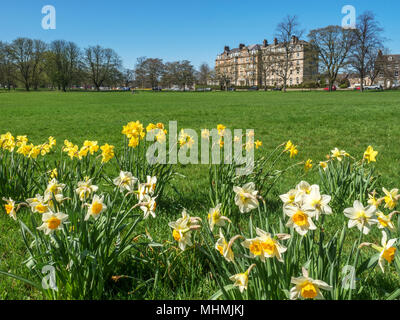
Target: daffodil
[
  {"x": 338, "y": 154},
  {"x": 308, "y": 165},
  {"x": 387, "y": 250},
  {"x": 185, "y": 139},
  {"x": 38, "y": 204},
  {"x": 52, "y": 222},
  {"x": 151, "y": 184},
  {"x": 148, "y": 206},
  {"x": 385, "y": 221},
  {"x": 323, "y": 165},
  {"x": 290, "y": 198},
  {"x": 265, "y": 246},
  {"x": 96, "y": 208},
  {"x": 370, "y": 154},
  {"x": 246, "y": 197},
  {"x": 307, "y": 288},
  {"x": 317, "y": 203},
  {"x": 258, "y": 144},
  {"x": 373, "y": 201},
  {"x": 361, "y": 217},
  {"x": 10, "y": 208},
  {"x": 205, "y": 134},
  {"x": 303, "y": 188},
  {"x": 241, "y": 280},
  {"x": 182, "y": 229},
  {"x": 221, "y": 129},
  {"x": 215, "y": 218},
  {"x": 54, "y": 188},
  {"x": 299, "y": 219},
  {"x": 85, "y": 189},
  {"x": 107, "y": 153},
  {"x": 225, "y": 248},
  {"x": 125, "y": 181},
  {"x": 391, "y": 198}
]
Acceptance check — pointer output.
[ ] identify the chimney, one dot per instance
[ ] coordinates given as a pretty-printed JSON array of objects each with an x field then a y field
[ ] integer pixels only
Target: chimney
[
  {"x": 226, "y": 49},
  {"x": 241, "y": 46},
  {"x": 275, "y": 41},
  {"x": 265, "y": 43}
]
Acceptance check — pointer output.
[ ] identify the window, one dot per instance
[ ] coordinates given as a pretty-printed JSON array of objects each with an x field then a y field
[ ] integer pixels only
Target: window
[{"x": 396, "y": 73}]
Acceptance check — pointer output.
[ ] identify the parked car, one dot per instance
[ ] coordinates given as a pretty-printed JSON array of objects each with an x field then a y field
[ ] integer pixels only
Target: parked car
[
  {"x": 157, "y": 89},
  {"x": 374, "y": 87},
  {"x": 253, "y": 88},
  {"x": 333, "y": 88},
  {"x": 231, "y": 89}
]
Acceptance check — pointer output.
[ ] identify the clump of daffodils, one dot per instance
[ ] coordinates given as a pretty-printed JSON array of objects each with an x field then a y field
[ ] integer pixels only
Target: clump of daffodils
[
  {"x": 135, "y": 132},
  {"x": 182, "y": 228}
]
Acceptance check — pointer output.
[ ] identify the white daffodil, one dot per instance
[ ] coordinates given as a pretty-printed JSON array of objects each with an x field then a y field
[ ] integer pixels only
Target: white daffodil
[
  {"x": 241, "y": 280},
  {"x": 10, "y": 208},
  {"x": 54, "y": 188},
  {"x": 290, "y": 198},
  {"x": 52, "y": 222},
  {"x": 266, "y": 246},
  {"x": 361, "y": 217},
  {"x": 141, "y": 191},
  {"x": 182, "y": 229},
  {"x": 125, "y": 181},
  {"x": 38, "y": 204},
  {"x": 391, "y": 198},
  {"x": 148, "y": 206},
  {"x": 246, "y": 197},
  {"x": 151, "y": 184},
  {"x": 225, "y": 248},
  {"x": 316, "y": 202},
  {"x": 300, "y": 219},
  {"x": 303, "y": 188},
  {"x": 307, "y": 288},
  {"x": 215, "y": 218},
  {"x": 96, "y": 208},
  {"x": 85, "y": 189}
]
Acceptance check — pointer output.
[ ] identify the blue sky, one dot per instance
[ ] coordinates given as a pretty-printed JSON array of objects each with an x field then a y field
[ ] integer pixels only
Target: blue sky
[{"x": 177, "y": 29}]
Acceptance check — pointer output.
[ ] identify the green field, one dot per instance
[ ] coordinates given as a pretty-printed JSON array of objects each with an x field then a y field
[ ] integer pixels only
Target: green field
[{"x": 315, "y": 121}]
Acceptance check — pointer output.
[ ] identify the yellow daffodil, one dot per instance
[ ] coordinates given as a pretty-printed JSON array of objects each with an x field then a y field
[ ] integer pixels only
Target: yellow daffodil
[
  {"x": 391, "y": 198},
  {"x": 308, "y": 165},
  {"x": 370, "y": 154},
  {"x": 107, "y": 153},
  {"x": 258, "y": 144}
]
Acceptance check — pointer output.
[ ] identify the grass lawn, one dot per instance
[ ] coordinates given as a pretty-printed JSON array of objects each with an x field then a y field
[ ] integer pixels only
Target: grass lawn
[{"x": 315, "y": 121}]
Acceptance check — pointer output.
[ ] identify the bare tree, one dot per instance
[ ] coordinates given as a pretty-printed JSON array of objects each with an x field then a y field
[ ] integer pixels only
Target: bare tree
[
  {"x": 7, "y": 69},
  {"x": 149, "y": 71},
  {"x": 64, "y": 60},
  {"x": 204, "y": 74},
  {"x": 333, "y": 44},
  {"x": 102, "y": 64},
  {"x": 367, "y": 41},
  {"x": 287, "y": 36},
  {"x": 21, "y": 53}
]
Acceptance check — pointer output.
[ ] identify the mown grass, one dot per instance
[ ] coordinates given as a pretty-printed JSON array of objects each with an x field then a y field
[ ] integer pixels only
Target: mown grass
[{"x": 315, "y": 121}]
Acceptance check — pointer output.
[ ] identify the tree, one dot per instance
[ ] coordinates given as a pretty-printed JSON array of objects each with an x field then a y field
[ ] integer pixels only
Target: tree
[
  {"x": 38, "y": 62},
  {"x": 185, "y": 74},
  {"x": 21, "y": 53},
  {"x": 148, "y": 71},
  {"x": 367, "y": 41},
  {"x": 203, "y": 74},
  {"x": 102, "y": 64},
  {"x": 65, "y": 60},
  {"x": 333, "y": 44},
  {"x": 287, "y": 35},
  {"x": 7, "y": 69},
  {"x": 128, "y": 76}
]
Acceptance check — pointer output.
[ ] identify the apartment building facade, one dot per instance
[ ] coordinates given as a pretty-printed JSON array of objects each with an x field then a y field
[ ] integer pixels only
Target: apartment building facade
[{"x": 267, "y": 65}]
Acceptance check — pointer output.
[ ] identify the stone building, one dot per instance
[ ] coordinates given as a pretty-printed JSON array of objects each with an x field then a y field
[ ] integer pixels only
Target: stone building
[{"x": 264, "y": 64}]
